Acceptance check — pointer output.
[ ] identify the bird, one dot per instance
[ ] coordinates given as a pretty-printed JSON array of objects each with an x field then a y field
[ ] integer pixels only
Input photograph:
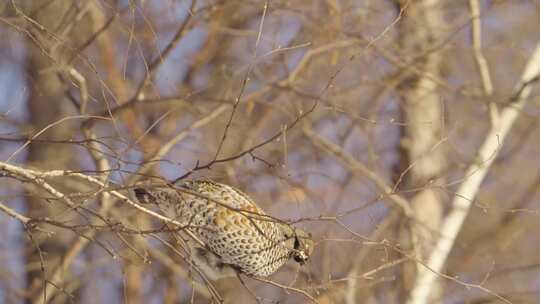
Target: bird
[{"x": 236, "y": 233}]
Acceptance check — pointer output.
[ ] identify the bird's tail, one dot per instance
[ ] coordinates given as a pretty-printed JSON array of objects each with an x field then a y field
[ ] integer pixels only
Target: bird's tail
[{"x": 144, "y": 196}]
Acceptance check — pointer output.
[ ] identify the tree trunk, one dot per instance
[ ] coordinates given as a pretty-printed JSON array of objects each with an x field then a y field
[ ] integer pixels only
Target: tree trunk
[
  {"x": 47, "y": 105},
  {"x": 423, "y": 155}
]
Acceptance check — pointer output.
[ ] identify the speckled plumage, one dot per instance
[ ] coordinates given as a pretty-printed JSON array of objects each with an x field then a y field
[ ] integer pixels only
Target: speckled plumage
[{"x": 231, "y": 225}]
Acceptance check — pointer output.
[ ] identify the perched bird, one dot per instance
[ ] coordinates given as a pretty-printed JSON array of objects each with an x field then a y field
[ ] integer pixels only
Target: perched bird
[{"x": 236, "y": 233}]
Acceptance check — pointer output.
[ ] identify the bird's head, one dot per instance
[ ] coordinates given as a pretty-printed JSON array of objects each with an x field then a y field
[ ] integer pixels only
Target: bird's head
[{"x": 302, "y": 243}]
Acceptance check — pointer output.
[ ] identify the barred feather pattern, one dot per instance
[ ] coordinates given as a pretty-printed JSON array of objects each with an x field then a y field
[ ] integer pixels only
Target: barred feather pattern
[{"x": 231, "y": 225}]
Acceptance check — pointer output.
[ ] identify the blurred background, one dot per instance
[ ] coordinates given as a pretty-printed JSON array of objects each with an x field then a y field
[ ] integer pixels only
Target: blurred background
[{"x": 352, "y": 119}]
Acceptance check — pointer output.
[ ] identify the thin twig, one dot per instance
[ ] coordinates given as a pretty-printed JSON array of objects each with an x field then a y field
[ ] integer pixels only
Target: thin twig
[
  {"x": 243, "y": 86},
  {"x": 355, "y": 165},
  {"x": 14, "y": 214}
]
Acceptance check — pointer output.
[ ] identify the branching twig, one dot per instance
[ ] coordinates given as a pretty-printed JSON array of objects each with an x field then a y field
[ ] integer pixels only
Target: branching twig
[
  {"x": 249, "y": 150},
  {"x": 481, "y": 62},
  {"x": 355, "y": 165}
]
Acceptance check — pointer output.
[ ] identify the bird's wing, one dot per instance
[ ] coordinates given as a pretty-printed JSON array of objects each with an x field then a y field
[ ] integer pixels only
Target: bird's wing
[{"x": 224, "y": 194}]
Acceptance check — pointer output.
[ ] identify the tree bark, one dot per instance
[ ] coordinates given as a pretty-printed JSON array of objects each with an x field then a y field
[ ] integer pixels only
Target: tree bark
[{"x": 423, "y": 155}]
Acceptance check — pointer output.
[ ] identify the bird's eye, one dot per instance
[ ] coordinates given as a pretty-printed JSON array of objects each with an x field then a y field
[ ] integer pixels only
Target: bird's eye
[{"x": 300, "y": 255}]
